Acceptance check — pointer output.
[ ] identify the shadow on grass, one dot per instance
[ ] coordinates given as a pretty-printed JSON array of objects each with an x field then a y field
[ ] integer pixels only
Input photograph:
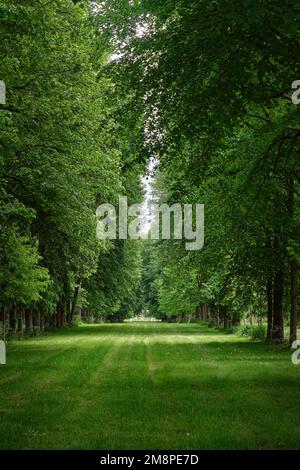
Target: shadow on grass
[
  {"x": 144, "y": 329},
  {"x": 240, "y": 345}
]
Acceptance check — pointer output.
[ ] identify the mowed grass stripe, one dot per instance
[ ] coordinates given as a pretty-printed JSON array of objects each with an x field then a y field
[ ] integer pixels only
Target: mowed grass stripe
[{"x": 148, "y": 386}]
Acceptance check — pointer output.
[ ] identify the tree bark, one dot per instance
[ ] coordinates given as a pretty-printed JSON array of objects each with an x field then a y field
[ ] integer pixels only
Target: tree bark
[
  {"x": 64, "y": 313},
  {"x": 20, "y": 323},
  {"x": 278, "y": 292},
  {"x": 205, "y": 312},
  {"x": 294, "y": 303},
  {"x": 250, "y": 316},
  {"x": 225, "y": 316},
  {"x": 38, "y": 322},
  {"x": 59, "y": 315},
  {"x": 74, "y": 301},
  {"x": 42, "y": 323},
  {"x": 270, "y": 310},
  {"x": 2, "y": 323},
  {"x": 28, "y": 321},
  {"x": 217, "y": 313},
  {"x": 293, "y": 268},
  {"x": 13, "y": 322}
]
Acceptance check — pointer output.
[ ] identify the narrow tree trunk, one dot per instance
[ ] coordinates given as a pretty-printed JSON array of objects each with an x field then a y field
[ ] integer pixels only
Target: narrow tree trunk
[
  {"x": 20, "y": 323},
  {"x": 74, "y": 301},
  {"x": 278, "y": 292},
  {"x": 294, "y": 303},
  {"x": 236, "y": 321},
  {"x": 33, "y": 321},
  {"x": 293, "y": 268},
  {"x": 49, "y": 322},
  {"x": 69, "y": 312},
  {"x": 42, "y": 323},
  {"x": 28, "y": 321},
  {"x": 2, "y": 323},
  {"x": 270, "y": 310},
  {"x": 218, "y": 316},
  {"x": 201, "y": 313},
  {"x": 205, "y": 312},
  {"x": 250, "y": 316},
  {"x": 225, "y": 316},
  {"x": 57, "y": 317},
  {"x": 64, "y": 313},
  {"x": 13, "y": 322},
  {"x": 38, "y": 322},
  {"x": 30, "y": 318},
  {"x": 208, "y": 312}
]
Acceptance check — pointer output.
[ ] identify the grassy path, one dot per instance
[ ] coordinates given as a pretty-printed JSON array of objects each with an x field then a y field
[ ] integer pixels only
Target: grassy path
[{"x": 156, "y": 386}]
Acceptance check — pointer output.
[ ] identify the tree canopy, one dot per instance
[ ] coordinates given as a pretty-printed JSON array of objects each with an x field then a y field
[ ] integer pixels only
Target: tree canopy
[{"x": 95, "y": 89}]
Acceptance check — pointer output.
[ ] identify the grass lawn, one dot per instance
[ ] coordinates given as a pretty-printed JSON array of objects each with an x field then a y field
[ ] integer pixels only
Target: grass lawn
[{"x": 148, "y": 386}]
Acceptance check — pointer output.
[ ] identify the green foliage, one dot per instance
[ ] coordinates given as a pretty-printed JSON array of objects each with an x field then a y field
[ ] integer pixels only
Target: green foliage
[
  {"x": 64, "y": 149},
  {"x": 204, "y": 87},
  {"x": 255, "y": 332},
  {"x": 76, "y": 320},
  {"x": 111, "y": 292},
  {"x": 215, "y": 82},
  {"x": 22, "y": 279}
]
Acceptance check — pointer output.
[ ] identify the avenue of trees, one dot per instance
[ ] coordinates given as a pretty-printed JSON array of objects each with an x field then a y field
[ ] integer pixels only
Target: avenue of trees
[
  {"x": 215, "y": 79},
  {"x": 94, "y": 89},
  {"x": 65, "y": 148}
]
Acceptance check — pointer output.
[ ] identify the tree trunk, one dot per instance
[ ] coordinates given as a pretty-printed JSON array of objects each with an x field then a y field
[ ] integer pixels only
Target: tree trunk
[
  {"x": 59, "y": 315},
  {"x": 278, "y": 291},
  {"x": 20, "y": 323},
  {"x": 38, "y": 322},
  {"x": 42, "y": 323},
  {"x": 293, "y": 267},
  {"x": 74, "y": 301},
  {"x": 294, "y": 303},
  {"x": 2, "y": 323},
  {"x": 64, "y": 313},
  {"x": 217, "y": 313},
  {"x": 28, "y": 321},
  {"x": 250, "y": 316},
  {"x": 225, "y": 316},
  {"x": 13, "y": 322},
  {"x": 205, "y": 312},
  {"x": 270, "y": 310}
]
